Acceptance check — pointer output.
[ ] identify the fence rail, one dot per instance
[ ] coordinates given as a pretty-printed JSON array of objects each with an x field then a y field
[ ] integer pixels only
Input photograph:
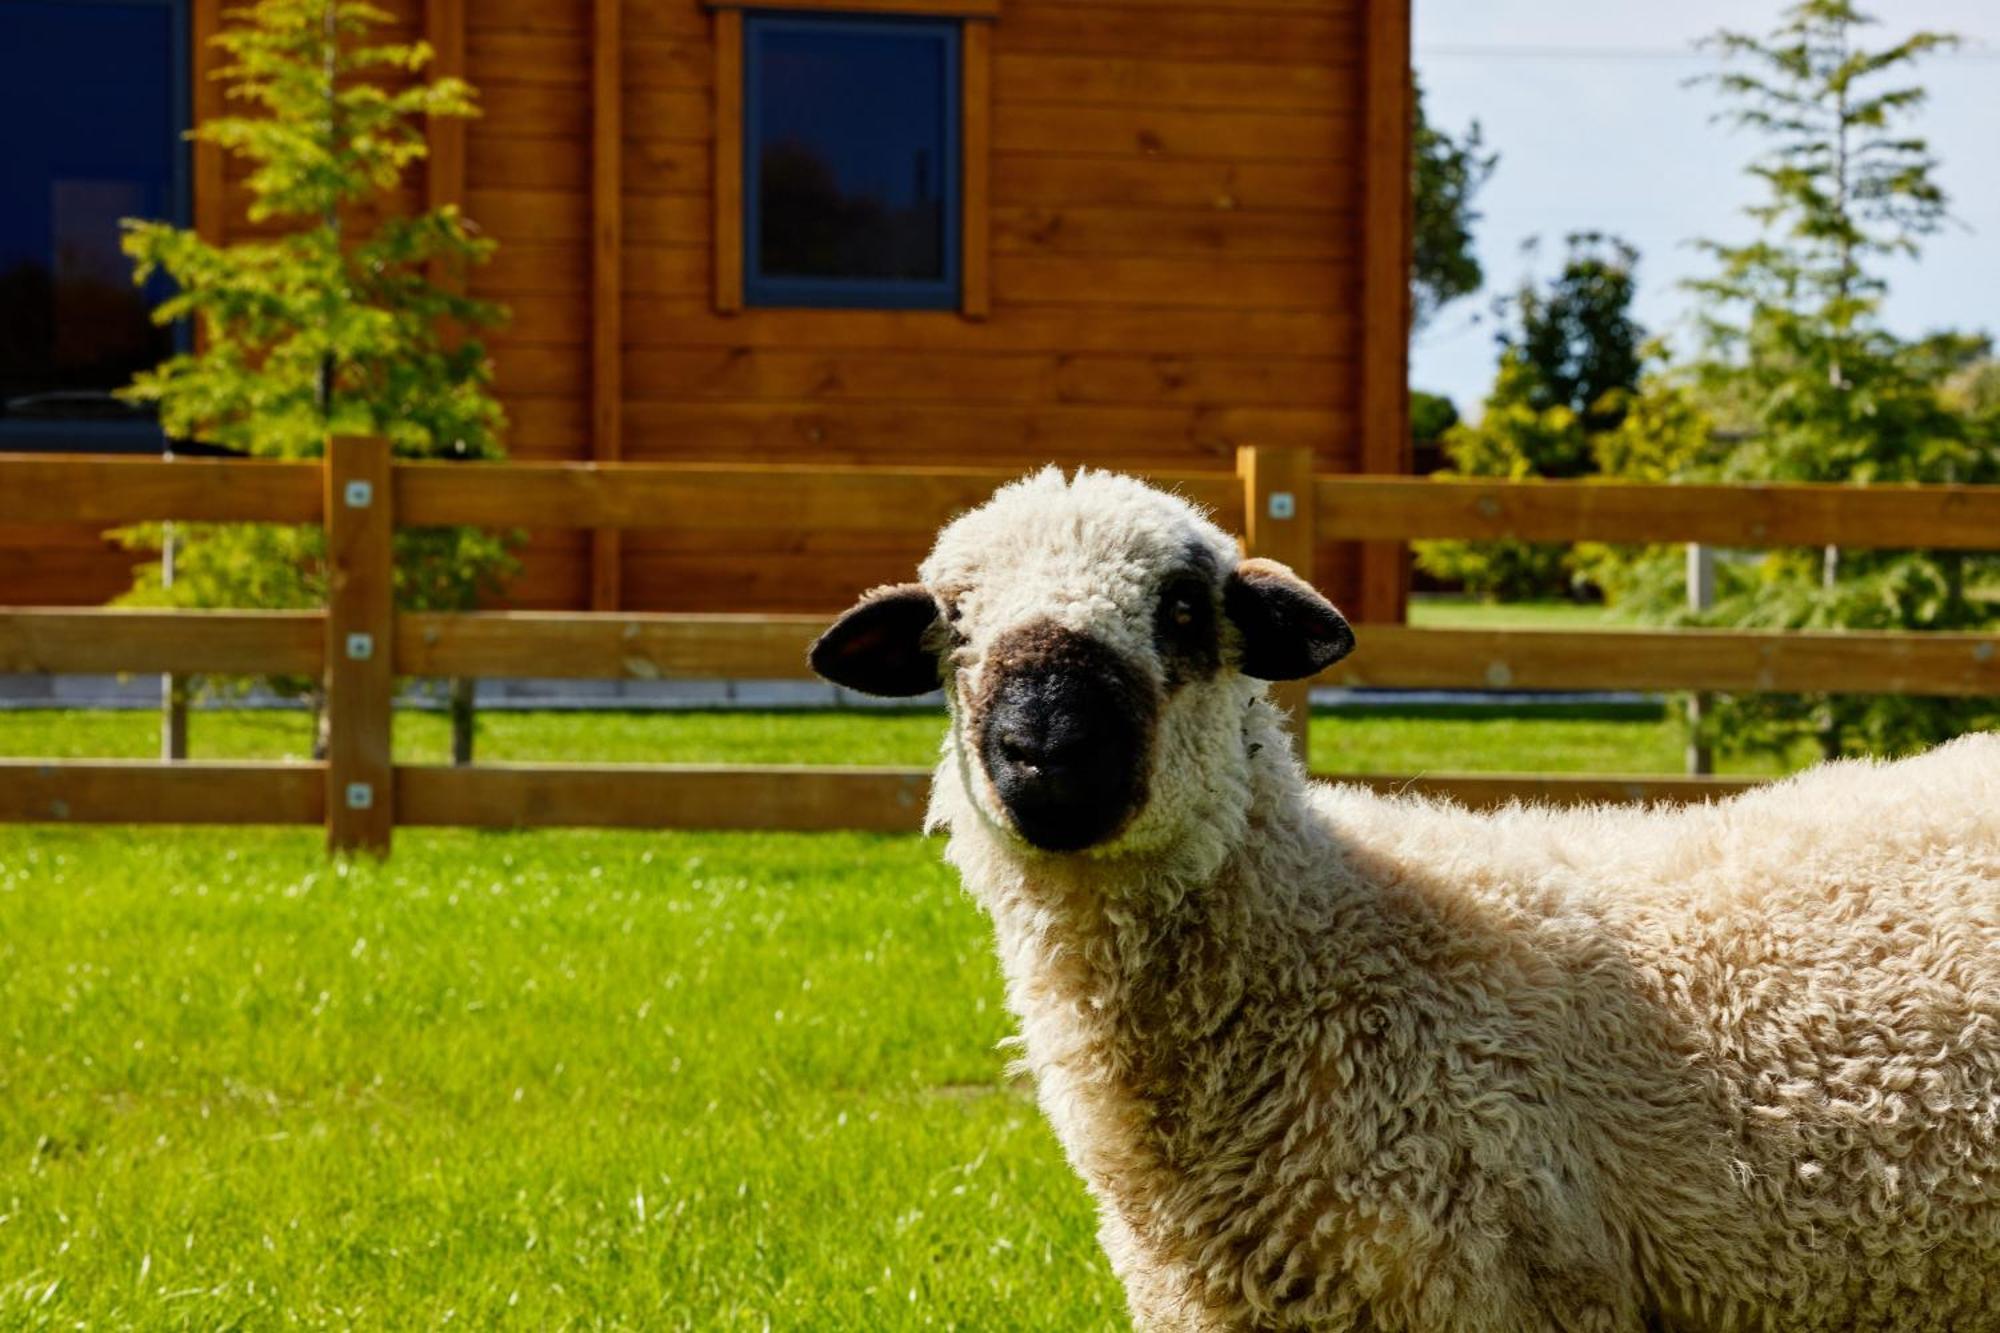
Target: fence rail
[
  {"x": 670, "y": 646},
  {"x": 359, "y": 645}
]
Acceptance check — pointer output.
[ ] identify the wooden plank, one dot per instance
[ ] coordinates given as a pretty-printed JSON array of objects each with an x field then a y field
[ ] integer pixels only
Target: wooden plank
[
  {"x": 1181, "y": 85},
  {"x": 575, "y": 646},
  {"x": 132, "y": 791},
  {"x": 1278, "y": 525},
  {"x": 680, "y": 223},
  {"x": 72, "y": 488},
  {"x": 504, "y": 59},
  {"x": 670, "y": 62},
  {"x": 957, "y": 377},
  {"x": 1741, "y": 661},
  {"x": 728, "y": 164},
  {"x": 978, "y": 9},
  {"x": 360, "y": 627},
  {"x": 607, "y": 295},
  {"x": 742, "y": 498},
  {"x": 785, "y": 582},
  {"x": 890, "y": 800},
  {"x": 810, "y": 434},
  {"x": 1741, "y": 515},
  {"x": 527, "y": 16},
  {"x": 1122, "y": 31},
  {"x": 1228, "y": 285},
  {"x": 1148, "y": 132},
  {"x": 1385, "y": 290},
  {"x": 1179, "y": 331},
  {"x": 976, "y": 169},
  {"x": 669, "y": 166},
  {"x": 691, "y": 796},
  {"x": 1159, "y": 233},
  {"x": 248, "y": 643},
  {"x": 1486, "y": 791},
  {"x": 1062, "y": 180},
  {"x": 211, "y": 198},
  {"x": 1257, "y": 7}
]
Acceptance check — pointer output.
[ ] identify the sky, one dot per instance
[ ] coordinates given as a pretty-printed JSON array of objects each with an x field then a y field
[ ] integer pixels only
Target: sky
[{"x": 1587, "y": 104}]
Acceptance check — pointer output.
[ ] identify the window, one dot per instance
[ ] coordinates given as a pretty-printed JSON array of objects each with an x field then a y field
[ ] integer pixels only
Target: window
[
  {"x": 851, "y": 143},
  {"x": 93, "y": 100}
]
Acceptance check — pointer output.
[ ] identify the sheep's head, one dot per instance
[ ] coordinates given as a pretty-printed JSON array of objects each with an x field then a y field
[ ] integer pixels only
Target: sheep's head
[{"x": 1099, "y": 643}]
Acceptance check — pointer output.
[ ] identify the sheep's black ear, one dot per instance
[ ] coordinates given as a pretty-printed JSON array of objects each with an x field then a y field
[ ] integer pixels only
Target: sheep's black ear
[
  {"x": 1289, "y": 631},
  {"x": 879, "y": 647}
]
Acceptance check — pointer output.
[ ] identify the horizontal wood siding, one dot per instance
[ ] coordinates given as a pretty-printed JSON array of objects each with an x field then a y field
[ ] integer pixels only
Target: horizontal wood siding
[
  {"x": 1175, "y": 261},
  {"x": 1175, "y": 271},
  {"x": 528, "y": 186}
]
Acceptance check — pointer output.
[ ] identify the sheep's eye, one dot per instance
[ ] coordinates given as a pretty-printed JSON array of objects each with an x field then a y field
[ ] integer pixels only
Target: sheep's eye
[
  {"x": 1184, "y": 609},
  {"x": 1184, "y": 629}
]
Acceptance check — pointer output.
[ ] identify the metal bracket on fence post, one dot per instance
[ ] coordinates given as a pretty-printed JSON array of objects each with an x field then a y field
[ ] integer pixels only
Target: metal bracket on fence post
[{"x": 360, "y": 618}]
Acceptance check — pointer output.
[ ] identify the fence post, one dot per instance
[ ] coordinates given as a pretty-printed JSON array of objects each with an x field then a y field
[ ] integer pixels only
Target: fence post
[
  {"x": 360, "y": 625},
  {"x": 1701, "y": 597},
  {"x": 1278, "y": 525},
  {"x": 173, "y": 687}
]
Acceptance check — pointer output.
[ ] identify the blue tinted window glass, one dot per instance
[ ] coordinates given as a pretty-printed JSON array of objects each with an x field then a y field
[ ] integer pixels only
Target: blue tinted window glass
[
  {"x": 851, "y": 149},
  {"x": 89, "y": 133}
]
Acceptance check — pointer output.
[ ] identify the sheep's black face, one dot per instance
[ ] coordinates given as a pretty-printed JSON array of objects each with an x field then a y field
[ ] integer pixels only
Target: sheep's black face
[
  {"x": 1065, "y": 732},
  {"x": 1098, "y": 643}
]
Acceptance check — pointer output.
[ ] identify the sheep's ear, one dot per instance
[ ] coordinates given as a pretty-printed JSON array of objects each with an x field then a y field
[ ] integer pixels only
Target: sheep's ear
[
  {"x": 1289, "y": 631},
  {"x": 879, "y": 646}
]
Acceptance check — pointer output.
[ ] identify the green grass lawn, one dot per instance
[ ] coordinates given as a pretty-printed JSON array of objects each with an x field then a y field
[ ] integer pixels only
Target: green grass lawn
[
  {"x": 553, "y": 1079},
  {"x": 1451, "y": 612},
  {"x": 535, "y": 1081}
]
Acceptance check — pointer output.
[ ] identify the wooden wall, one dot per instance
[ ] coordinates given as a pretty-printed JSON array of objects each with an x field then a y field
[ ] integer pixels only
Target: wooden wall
[{"x": 1178, "y": 193}]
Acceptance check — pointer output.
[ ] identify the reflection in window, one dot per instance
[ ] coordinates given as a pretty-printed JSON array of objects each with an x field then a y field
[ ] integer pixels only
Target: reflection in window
[
  {"x": 851, "y": 143},
  {"x": 89, "y": 134}
]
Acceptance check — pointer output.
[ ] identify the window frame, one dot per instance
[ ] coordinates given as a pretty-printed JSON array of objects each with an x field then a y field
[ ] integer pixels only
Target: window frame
[
  {"x": 783, "y": 292},
  {"x": 730, "y": 143},
  {"x": 135, "y": 437}
]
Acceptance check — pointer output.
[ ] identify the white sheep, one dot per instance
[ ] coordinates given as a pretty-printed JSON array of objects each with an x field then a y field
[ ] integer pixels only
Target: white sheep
[{"x": 1331, "y": 1060}]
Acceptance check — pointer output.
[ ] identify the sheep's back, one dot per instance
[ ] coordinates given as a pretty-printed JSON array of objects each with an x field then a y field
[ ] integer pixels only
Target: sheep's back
[{"x": 1807, "y": 980}]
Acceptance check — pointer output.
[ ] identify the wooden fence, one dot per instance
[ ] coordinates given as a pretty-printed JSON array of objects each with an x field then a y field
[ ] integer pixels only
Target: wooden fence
[{"x": 1273, "y": 500}]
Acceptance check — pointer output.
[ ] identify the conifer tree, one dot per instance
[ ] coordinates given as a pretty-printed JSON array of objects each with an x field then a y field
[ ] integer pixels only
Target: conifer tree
[
  {"x": 326, "y": 321},
  {"x": 1804, "y": 383}
]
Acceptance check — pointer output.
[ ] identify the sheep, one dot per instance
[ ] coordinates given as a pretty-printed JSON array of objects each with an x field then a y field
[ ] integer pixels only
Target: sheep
[{"x": 1334, "y": 1060}]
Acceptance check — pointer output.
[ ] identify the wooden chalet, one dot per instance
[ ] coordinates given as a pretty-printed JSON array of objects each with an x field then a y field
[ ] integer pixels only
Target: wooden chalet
[{"x": 997, "y": 233}]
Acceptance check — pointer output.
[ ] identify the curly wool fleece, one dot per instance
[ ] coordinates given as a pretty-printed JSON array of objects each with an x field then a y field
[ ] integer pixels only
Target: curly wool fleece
[{"x": 1330, "y": 1060}]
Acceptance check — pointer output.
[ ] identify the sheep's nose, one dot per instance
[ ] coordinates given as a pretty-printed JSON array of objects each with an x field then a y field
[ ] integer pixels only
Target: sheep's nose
[
  {"x": 1066, "y": 740},
  {"x": 1043, "y": 747}
]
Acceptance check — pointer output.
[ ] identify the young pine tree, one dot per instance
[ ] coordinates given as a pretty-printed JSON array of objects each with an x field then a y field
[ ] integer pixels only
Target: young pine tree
[
  {"x": 1806, "y": 383},
  {"x": 328, "y": 321}
]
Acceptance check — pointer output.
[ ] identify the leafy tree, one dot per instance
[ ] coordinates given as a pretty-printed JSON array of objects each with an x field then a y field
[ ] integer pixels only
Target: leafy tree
[
  {"x": 1580, "y": 336},
  {"x": 1804, "y": 384},
  {"x": 1568, "y": 362},
  {"x": 1431, "y": 415},
  {"x": 1448, "y": 174},
  {"x": 330, "y": 325},
  {"x": 1517, "y": 437}
]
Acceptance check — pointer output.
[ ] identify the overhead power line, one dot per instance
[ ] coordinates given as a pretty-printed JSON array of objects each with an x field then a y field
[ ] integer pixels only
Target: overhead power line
[{"x": 1500, "y": 52}]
